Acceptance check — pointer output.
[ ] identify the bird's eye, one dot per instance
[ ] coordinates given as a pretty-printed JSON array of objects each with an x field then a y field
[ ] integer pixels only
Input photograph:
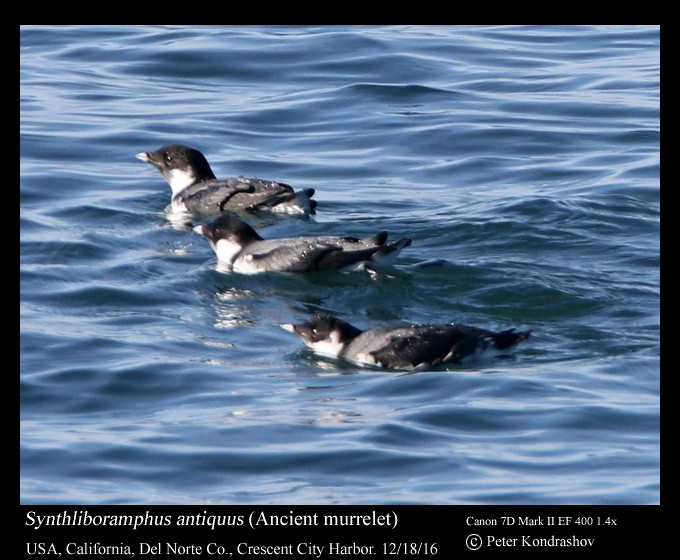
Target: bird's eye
[{"x": 168, "y": 157}]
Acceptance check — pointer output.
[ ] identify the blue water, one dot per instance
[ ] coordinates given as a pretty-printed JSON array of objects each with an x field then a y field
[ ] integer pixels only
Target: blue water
[{"x": 524, "y": 158}]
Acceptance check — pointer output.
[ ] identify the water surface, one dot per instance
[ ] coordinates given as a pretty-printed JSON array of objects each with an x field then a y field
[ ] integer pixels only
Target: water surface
[{"x": 526, "y": 159}]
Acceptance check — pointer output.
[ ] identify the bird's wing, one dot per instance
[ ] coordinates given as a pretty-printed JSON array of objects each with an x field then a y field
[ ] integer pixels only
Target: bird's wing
[
  {"x": 210, "y": 197},
  {"x": 426, "y": 346},
  {"x": 263, "y": 193},
  {"x": 288, "y": 255}
]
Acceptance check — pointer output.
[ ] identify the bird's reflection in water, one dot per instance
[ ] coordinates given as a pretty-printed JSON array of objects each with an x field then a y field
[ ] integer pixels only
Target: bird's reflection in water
[{"x": 232, "y": 310}]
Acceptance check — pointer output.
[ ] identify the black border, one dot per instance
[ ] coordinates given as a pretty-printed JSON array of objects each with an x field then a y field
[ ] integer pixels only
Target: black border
[{"x": 639, "y": 528}]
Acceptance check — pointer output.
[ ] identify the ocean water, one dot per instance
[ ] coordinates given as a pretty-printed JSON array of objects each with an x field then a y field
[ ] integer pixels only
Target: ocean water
[{"x": 525, "y": 161}]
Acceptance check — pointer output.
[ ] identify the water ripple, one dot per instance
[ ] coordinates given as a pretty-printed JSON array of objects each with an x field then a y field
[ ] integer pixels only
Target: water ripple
[{"x": 524, "y": 163}]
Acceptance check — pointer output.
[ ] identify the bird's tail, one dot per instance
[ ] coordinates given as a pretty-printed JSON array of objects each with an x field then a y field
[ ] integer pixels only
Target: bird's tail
[
  {"x": 388, "y": 253},
  {"x": 300, "y": 203},
  {"x": 508, "y": 339}
]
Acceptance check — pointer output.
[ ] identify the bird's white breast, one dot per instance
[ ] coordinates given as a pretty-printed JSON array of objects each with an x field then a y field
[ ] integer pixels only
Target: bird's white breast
[
  {"x": 179, "y": 179},
  {"x": 227, "y": 250},
  {"x": 331, "y": 346}
]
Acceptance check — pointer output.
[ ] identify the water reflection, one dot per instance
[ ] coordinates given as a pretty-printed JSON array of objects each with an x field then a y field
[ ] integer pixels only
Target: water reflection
[
  {"x": 232, "y": 309},
  {"x": 182, "y": 221}
]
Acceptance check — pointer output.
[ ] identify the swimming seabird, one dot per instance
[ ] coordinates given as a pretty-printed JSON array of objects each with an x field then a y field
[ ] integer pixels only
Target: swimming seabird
[
  {"x": 241, "y": 249},
  {"x": 408, "y": 347},
  {"x": 197, "y": 191}
]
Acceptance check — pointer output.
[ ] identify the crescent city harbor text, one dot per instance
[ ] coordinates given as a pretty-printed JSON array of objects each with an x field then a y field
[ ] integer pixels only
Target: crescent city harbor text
[{"x": 256, "y": 518}]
